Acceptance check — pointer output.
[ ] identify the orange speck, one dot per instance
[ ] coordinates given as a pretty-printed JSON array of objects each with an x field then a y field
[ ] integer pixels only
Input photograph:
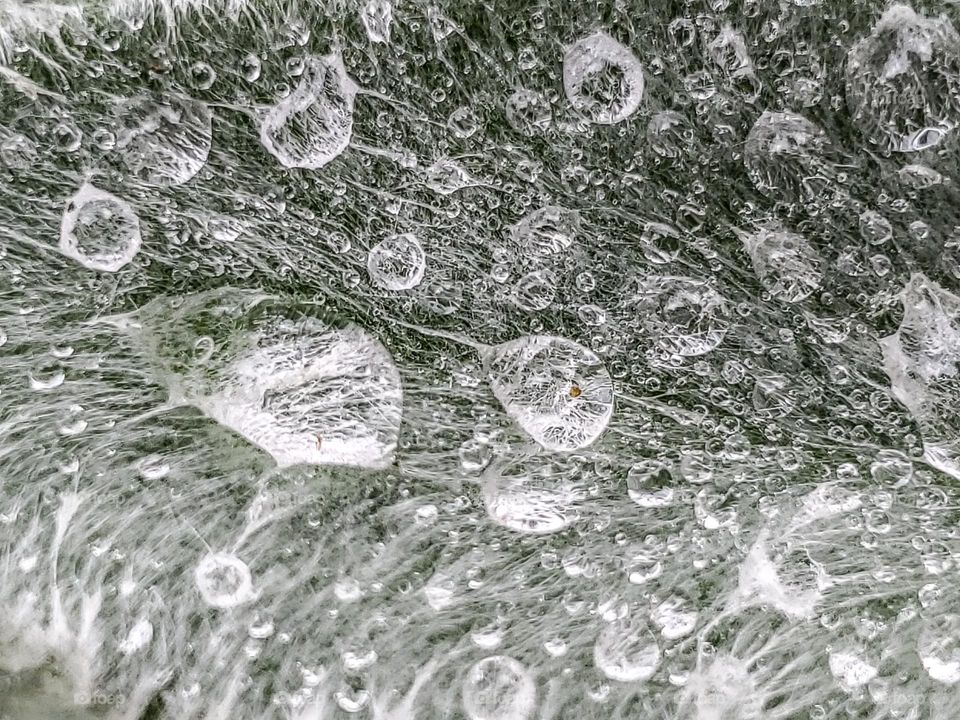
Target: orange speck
[{"x": 575, "y": 391}]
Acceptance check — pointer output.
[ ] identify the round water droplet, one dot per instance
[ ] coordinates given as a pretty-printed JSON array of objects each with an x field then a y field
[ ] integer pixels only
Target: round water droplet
[
  {"x": 67, "y": 137},
  {"x": 202, "y": 76},
  {"x": 475, "y": 455},
  {"x": 261, "y": 628},
  {"x": 684, "y": 316},
  {"x": 99, "y": 230},
  {"x": 397, "y": 263},
  {"x": 557, "y": 391},
  {"x": 250, "y": 67},
  {"x": 74, "y": 423},
  {"x": 602, "y": 79},
  {"x": 875, "y": 228},
  {"x": 164, "y": 141},
  {"x": 499, "y": 688},
  {"x": 535, "y": 291},
  {"x": 351, "y": 701},
  {"x": 104, "y": 139},
  {"x": 533, "y": 497},
  {"x": 650, "y": 484},
  {"x": 224, "y": 581},
  {"x": 591, "y": 315},
  {"x": 463, "y": 123},
  {"x": 203, "y": 349}
]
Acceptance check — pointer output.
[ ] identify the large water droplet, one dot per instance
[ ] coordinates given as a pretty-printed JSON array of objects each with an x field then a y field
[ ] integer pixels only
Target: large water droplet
[
  {"x": 397, "y": 262},
  {"x": 783, "y": 152},
  {"x": 684, "y": 316},
  {"x": 99, "y": 230},
  {"x": 377, "y": 17},
  {"x": 499, "y": 688},
  {"x": 602, "y": 79},
  {"x": 903, "y": 80},
  {"x": 785, "y": 262},
  {"x": 557, "y": 391},
  {"x": 314, "y": 123},
  {"x": 626, "y": 650},
  {"x": 164, "y": 141},
  {"x": 224, "y": 581},
  {"x": 290, "y": 382}
]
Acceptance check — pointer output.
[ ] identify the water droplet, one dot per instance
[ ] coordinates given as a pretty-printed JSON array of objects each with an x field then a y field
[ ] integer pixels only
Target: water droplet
[
  {"x": 532, "y": 377},
  {"x": 46, "y": 376},
  {"x": 67, "y": 137},
  {"x": 314, "y": 123},
  {"x": 99, "y": 230},
  {"x": 463, "y": 123},
  {"x": 18, "y": 152},
  {"x": 875, "y": 228},
  {"x": 603, "y": 79},
  {"x": 475, "y": 455},
  {"x": 397, "y": 262},
  {"x": 902, "y": 80},
  {"x": 224, "y": 581},
  {"x": 627, "y": 651},
  {"x": 782, "y": 152},
  {"x": 164, "y": 141},
  {"x": 74, "y": 423},
  {"x": 202, "y": 76},
  {"x": 684, "y": 316},
  {"x": 785, "y": 262},
  {"x": 250, "y": 67},
  {"x": 535, "y": 291},
  {"x": 650, "y": 484},
  {"x": 498, "y": 688},
  {"x": 261, "y": 628},
  {"x": 377, "y": 17},
  {"x": 281, "y": 377}
]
